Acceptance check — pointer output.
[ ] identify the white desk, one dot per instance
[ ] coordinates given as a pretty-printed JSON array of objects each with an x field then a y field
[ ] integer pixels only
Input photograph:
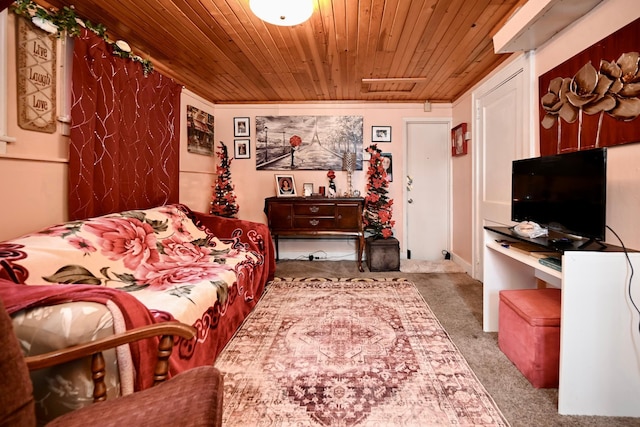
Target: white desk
[{"x": 599, "y": 334}]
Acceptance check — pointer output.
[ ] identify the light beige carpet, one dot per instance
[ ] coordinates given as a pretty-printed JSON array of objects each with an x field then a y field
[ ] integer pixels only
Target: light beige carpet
[
  {"x": 360, "y": 352},
  {"x": 420, "y": 266}
]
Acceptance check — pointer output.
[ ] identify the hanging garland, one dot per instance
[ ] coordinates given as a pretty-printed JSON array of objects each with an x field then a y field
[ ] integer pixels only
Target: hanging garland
[{"x": 66, "y": 21}]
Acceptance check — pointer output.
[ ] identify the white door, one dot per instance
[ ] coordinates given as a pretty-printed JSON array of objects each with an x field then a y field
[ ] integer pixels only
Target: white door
[
  {"x": 502, "y": 135},
  {"x": 427, "y": 182}
]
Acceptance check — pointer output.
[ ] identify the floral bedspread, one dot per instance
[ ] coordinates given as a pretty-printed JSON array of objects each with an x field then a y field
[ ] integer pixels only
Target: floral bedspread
[
  {"x": 159, "y": 255},
  {"x": 202, "y": 270}
]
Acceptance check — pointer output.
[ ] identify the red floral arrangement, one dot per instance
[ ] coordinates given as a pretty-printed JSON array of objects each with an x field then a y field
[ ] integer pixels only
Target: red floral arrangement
[
  {"x": 295, "y": 141},
  {"x": 377, "y": 206},
  {"x": 332, "y": 185}
]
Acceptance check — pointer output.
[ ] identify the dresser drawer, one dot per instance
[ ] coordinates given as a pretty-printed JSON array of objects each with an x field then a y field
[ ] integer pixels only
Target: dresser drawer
[
  {"x": 314, "y": 223},
  {"x": 280, "y": 216},
  {"x": 348, "y": 217},
  {"x": 314, "y": 209}
]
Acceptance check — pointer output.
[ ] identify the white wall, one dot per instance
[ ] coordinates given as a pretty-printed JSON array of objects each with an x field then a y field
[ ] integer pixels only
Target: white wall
[
  {"x": 197, "y": 172},
  {"x": 623, "y": 190},
  {"x": 33, "y": 172},
  {"x": 253, "y": 186},
  {"x": 623, "y": 198},
  {"x": 33, "y": 183},
  {"x": 462, "y": 184}
]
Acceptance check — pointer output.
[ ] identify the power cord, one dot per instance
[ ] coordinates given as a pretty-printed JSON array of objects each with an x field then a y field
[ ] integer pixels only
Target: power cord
[{"x": 626, "y": 254}]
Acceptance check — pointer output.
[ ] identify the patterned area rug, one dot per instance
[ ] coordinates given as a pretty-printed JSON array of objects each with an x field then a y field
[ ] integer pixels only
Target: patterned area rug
[{"x": 359, "y": 352}]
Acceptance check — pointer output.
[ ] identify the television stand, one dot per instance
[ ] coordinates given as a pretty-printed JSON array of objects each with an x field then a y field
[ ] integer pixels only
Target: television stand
[
  {"x": 590, "y": 241},
  {"x": 599, "y": 338}
]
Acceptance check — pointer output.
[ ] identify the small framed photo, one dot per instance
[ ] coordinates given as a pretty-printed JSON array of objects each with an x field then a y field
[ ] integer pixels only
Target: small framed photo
[
  {"x": 242, "y": 148},
  {"x": 307, "y": 189},
  {"x": 380, "y": 133},
  {"x": 387, "y": 164},
  {"x": 458, "y": 140},
  {"x": 241, "y": 126},
  {"x": 285, "y": 186}
]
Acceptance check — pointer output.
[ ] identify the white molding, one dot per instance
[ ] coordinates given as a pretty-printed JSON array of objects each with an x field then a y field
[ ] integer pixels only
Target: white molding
[
  {"x": 4, "y": 138},
  {"x": 524, "y": 64},
  {"x": 65, "y": 66},
  {"x": 538, "y": 21}
]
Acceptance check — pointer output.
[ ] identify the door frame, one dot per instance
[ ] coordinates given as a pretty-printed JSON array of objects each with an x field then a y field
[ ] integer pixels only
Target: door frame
[
  {"x": 4, "y": 112},
  {"x": 405, "y": 194},
  {"x": 524, "y": 64}
]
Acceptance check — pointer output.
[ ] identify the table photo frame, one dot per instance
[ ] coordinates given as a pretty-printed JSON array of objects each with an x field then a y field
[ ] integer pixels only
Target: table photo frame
[
  {"x": 307, "y": 189},
  {"x": 285, "y": 186}
]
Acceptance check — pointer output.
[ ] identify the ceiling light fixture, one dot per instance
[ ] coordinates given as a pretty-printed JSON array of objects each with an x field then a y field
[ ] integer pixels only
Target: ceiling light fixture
[{"x": 282, "y": 12}]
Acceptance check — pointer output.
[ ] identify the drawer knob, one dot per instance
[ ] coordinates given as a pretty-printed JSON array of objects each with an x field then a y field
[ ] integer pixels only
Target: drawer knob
[
  {"x": 314, "y": 209},
  {"x": 314, "y": 222}
]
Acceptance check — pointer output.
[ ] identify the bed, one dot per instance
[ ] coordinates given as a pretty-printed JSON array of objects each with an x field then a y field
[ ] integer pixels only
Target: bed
[{"x": 82, "y": 280}]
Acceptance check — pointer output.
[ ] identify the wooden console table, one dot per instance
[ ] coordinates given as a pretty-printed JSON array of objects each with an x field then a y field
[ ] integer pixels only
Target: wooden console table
[{"x": 316, "y": 217}]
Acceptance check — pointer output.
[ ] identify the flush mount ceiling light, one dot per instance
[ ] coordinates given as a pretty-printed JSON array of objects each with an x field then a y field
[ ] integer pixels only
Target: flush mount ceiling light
[{"x": 282, "y": 12}]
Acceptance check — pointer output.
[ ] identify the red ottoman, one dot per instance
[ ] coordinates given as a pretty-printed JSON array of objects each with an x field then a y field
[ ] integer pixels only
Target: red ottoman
[{"x": 529, "y": 333}]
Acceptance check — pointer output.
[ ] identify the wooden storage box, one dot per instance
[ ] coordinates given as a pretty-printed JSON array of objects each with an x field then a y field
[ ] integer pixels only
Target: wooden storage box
[
  {"x": 529, "y": 333},
  {"x": 383, "y": 254}
]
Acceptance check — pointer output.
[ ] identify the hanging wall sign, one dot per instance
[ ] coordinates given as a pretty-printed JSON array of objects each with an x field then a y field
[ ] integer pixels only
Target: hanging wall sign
[{"x": 36, "y": 62}]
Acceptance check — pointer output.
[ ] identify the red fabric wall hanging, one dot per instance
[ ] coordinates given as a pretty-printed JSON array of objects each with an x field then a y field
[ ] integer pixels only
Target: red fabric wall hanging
[{"x": 125, "y": 133}]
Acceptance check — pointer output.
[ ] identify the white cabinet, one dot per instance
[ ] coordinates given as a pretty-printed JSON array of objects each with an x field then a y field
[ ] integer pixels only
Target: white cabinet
[{"x": 599, "y": 325}]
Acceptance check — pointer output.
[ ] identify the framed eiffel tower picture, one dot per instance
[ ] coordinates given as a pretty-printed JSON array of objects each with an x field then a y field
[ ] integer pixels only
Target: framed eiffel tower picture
[{"x": 307, "y": 142}]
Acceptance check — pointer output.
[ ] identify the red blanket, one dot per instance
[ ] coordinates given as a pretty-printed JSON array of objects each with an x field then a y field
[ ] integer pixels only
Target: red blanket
[
  {"x": 63, "y": 254},
  {"x": 18, "y": 297}
]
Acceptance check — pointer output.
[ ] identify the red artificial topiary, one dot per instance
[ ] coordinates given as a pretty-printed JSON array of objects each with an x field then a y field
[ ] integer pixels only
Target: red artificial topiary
[
  {"x": 224, "y": 200},
  {"x": 377, "y": 206}
]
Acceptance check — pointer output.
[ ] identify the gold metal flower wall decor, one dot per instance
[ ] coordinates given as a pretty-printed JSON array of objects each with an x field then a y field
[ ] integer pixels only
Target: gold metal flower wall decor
[{"x": 613, "y": 89}]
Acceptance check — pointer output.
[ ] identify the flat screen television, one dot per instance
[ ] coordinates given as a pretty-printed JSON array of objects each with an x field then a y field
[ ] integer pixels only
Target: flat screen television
[{"x": 566, "y": 193}]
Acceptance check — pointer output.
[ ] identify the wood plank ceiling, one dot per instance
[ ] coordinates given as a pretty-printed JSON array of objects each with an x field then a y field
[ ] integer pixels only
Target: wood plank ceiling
[{"x": 422, "y": 49}]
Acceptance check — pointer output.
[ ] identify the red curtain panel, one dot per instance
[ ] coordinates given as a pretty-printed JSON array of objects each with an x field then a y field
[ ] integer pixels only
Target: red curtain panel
[
  {"x": 5, "y": 4},
  {"x": 125, "y": 133}
]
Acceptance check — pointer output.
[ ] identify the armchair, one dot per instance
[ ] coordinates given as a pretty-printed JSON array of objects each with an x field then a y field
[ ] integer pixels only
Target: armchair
[{"x": 192, "y": 398}]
